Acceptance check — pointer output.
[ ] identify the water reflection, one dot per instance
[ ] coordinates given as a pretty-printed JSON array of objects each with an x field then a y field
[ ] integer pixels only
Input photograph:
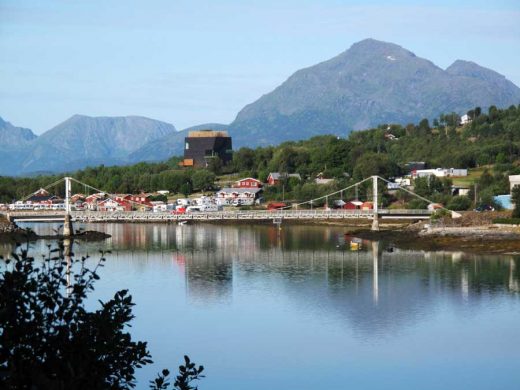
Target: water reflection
[
  {"x": 211, "y": 257},
  {"x": 252, "y": 299}
]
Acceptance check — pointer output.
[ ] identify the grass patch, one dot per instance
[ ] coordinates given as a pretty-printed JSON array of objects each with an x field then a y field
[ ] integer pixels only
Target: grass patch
[{"x": 473, "y": 175}]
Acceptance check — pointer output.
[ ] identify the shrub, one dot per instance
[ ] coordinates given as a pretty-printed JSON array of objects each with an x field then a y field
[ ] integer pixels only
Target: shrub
[
  {"x": 48, "y": 340},
  {"x": 458, "y": 203}
]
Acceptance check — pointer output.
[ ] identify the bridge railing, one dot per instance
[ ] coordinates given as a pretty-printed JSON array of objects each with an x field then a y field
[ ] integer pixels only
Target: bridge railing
[{"x": 227, "y": 213}]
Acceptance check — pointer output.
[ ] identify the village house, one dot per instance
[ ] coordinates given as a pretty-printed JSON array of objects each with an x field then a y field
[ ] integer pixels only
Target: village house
[
  {"x": 77, "y": 198},
  {"x": 460, "y": 191},
  {"x": 113, "y": 204},
  {"x": 367, "y": 206},
  {"x": 91, "y": 201},
  {"x": 352, "y": 205},
  {"x": 247, "y": 183},
  {"x": 139, "y": 200},
  {"x": 237, "y": 196},
  {"x": 403, "y": 181},
  {"x": 320, "y": 179},
  {"x": 465, "y": 119},
  {"x": 274, "y": 178},
  {"x": 411, "y": 166},
  {"x": 514, "y": 180},
  {"x": 440, "y": 172},
  {"x": 43, "y": 197}
]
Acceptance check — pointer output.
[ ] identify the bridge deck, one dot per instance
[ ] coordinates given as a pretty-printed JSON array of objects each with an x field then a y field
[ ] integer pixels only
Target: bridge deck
[{"x": 97, "y": 216}]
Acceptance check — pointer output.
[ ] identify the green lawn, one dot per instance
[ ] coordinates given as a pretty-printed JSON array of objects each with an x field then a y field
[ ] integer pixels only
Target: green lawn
[{"x": 473, "y": 175}]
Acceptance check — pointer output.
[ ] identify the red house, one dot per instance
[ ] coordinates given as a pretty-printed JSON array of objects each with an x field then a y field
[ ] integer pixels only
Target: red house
[
  {"x": 367, "y": 206},
  {"x": 143, "y": 199},
  {"x": 248, "y": 183},
  {"x": 352, "y": 205}
]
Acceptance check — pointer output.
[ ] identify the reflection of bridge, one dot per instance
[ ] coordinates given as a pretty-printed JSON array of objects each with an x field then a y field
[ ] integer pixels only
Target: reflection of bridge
[
  {"x": 300, "y": 211},
  {"x": 253, "y": 215}
]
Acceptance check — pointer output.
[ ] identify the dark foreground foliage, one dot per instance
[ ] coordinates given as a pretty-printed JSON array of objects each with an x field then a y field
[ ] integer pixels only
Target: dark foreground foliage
[{"x": 48, "y": 340}]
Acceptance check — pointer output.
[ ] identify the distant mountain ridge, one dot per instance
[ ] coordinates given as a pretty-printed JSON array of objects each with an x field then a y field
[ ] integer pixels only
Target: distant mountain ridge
[
  {"x": 371, "y": 83},
  {"x": 82, "y": 140},
  {"x": 14, "y": 136}
]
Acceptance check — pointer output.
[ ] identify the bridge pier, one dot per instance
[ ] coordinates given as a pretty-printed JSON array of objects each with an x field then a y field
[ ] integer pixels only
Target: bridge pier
[
  {"x": 68, "y": 229},
  {"x": 375, "y": 222}
]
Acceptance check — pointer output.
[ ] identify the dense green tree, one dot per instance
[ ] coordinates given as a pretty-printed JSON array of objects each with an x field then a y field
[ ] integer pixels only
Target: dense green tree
[
  {"x": 203, "y": 180},
  {"x": 459, "y": 203},
  {"x": 515, "y": 198}
]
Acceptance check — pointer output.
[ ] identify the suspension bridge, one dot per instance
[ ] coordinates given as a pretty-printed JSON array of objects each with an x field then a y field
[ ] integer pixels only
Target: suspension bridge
[{"x": 304, "y": 211}]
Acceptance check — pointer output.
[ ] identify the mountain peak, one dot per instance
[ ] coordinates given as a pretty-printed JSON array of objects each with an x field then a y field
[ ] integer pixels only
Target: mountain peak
[
  {"x": 370, "y": 83},
  {"x": 374, "y": 47},
  {"x": 471, "y": 69}
]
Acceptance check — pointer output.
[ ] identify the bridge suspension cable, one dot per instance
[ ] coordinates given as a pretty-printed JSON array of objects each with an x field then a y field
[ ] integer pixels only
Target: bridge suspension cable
[
  {"x": 331, "y": 194},
  {"x": 43, "y": 188},
  {"x": 356, "y": 185}
]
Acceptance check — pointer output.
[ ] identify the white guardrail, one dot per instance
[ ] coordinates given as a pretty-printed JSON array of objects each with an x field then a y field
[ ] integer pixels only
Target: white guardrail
[{"x": 96, "y": 216}]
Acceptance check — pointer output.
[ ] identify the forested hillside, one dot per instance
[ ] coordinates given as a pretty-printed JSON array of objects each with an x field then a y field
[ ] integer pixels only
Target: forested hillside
[{"x": 492, "y": 138}]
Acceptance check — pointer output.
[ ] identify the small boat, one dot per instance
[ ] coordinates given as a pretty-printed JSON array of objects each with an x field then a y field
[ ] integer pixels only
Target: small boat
[
  {"x": 355, "y": 244},
  {"x": 182, "y": 223}
]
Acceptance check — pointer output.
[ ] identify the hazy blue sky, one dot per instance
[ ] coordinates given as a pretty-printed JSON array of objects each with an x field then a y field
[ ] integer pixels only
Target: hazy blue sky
[{"x": 189, "y": 62}]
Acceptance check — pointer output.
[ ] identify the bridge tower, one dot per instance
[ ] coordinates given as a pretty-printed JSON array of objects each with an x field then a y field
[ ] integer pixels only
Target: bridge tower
[
  {"x": 67, "y": 223},
  {"x": 375, "y": 218}
]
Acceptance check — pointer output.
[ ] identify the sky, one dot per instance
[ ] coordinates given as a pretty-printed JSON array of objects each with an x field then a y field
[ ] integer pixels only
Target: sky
[{"x": 199, "y": 61}]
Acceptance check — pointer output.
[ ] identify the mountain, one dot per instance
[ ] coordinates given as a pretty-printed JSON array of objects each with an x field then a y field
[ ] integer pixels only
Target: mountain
[
  {"x": 13, "y": 143},
  {"x": 170, "y": 145},
  {"x": 161, "y": 148},
  {"x": 371, "y": 83},
  {"x": 14, "y": 136},
  {"x": 83, "y": 140}
]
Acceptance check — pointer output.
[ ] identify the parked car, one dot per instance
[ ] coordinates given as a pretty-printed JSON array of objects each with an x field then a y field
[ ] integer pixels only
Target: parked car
[{"x": 485, "y": 207}]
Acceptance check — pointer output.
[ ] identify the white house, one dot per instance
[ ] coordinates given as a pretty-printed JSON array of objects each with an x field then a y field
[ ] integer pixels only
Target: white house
[
  {"x": 237, "y": 196},
  {"x": 514, "y": 180},
  {"x": 440, "y": 172},
  {"x": 465, "y": 119}
]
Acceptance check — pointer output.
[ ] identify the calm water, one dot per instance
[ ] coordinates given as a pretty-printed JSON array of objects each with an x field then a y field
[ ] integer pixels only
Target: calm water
[{"x": 298, "y": 310}]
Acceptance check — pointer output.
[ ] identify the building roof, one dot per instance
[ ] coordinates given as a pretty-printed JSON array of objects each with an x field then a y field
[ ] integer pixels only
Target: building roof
[
  {"x": 249, "y": 178},
  {"x": 207, "y": 134},
  {"x": 278, "y": 175}
]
